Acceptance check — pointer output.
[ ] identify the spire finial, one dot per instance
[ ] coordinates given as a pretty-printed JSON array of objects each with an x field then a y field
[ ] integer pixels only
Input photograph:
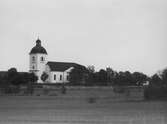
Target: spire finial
[{"x": 38, "y": 42}]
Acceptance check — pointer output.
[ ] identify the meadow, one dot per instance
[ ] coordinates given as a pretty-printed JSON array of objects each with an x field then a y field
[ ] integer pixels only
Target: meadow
[{"x": 64, "y": 110}]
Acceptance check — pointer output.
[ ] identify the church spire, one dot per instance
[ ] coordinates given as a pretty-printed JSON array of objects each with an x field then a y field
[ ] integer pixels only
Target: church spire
[
  {"x": 38, "y": 42},
  {"x": 38, "y": 48}
]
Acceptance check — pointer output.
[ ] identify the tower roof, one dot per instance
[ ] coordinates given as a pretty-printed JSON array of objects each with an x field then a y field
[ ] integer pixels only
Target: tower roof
[{"x": 38, "y": 48}]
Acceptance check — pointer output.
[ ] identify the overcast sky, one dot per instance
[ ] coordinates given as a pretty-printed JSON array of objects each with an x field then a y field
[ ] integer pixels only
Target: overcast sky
[{"x": 123, "y": 34}]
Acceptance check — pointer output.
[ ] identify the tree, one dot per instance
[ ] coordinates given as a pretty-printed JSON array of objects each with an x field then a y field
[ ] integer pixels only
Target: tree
[
  {"x": 78, "y": 75},
  {"x": 18, "y": 78},
  {"x": 90, "y": 76},
  {"x": 91, "y": 69},
  {"x": 14, "y": 80},
  {"x": 123, "y": 79},
  {"x": 12, "y": 72},
  {"x": 164, "y": 77},
  {"x": 156, "y": 89},
  {"x": 32, "y": 78},
  {"x": 13, "y": 76},
  {"x": 139, "y": 78},
  {"x": 110, "y": 75},
  {"x": 44, "y": 76},
  {"x": 101, "y": 77},
  {"x": 156, "y": 81},
  {"x": 4, "y": 83}
]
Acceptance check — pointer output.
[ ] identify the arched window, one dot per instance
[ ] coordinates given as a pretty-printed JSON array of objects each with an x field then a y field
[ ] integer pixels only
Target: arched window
[
  {"x": 33, "y": 67},
  {"x": 54, "y": 77},
  {"x": 60, "y": 77},
  {"x": 33, "y": 58},
  {"x": 42, "y": 59},
  {"x": 68, "y": 77}
]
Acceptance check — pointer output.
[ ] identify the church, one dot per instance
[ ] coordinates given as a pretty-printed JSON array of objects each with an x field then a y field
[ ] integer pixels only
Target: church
[{"x": 58, "y": 72}]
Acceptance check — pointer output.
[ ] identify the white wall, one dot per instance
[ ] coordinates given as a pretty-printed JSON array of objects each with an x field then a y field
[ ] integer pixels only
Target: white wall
[
  {"x": 58, "y": 73},
  {"x": 57, "y": 77},
  {"x": 39, "y": 66},
  {"x": 47, "y": 70}
]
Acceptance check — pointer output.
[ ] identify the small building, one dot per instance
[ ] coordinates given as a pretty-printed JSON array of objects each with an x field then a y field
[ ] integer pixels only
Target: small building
[{"x": 58, "y": 72}]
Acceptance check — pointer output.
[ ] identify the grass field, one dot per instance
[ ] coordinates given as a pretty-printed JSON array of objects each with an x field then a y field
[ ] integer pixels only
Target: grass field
[{"x": 54, "y": 110}]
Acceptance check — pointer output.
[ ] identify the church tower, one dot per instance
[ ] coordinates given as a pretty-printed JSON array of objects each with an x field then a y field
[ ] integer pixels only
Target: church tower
[{"x": 38, "y": 60}]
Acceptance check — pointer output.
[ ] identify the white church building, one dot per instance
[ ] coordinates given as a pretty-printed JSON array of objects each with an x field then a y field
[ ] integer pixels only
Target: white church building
[{"x": 58, "y": 72}]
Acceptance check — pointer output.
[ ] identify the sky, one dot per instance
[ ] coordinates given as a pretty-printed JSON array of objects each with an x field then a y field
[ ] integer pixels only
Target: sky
[{"x": 121, "y": 34}]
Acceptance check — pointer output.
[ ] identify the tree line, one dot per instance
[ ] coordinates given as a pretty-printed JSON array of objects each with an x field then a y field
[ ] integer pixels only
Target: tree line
[
  {"x": 11, "y": 80},
  {"x": 82, "y": 76},
  {"x": 155, "y": 86},
  {"x": 88, "y": 76}
]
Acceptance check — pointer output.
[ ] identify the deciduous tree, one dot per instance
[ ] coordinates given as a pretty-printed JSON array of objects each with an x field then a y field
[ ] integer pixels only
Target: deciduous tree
[{"x": 44, "y": 76}]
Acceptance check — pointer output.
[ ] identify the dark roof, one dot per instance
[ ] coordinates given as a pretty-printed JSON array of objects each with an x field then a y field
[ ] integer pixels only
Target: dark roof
[
  {"x": 62, "y": 66},
  {"x": 38, "y": 48}
]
